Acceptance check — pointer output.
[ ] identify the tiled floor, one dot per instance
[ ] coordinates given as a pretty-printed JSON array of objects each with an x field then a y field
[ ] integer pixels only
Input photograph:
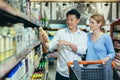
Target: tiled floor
[{"x": 52, "y": 71}]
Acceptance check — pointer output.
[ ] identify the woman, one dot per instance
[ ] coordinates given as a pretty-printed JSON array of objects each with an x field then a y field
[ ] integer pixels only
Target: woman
[{"x": 100, "y": 46}]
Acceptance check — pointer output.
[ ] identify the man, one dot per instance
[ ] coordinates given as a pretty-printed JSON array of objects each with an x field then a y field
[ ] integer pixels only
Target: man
[{"x": 71, "y": 42}]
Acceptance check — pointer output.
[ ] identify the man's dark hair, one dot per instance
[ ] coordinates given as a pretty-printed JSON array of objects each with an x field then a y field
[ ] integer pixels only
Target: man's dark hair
[{"x": 73, "y": 12}]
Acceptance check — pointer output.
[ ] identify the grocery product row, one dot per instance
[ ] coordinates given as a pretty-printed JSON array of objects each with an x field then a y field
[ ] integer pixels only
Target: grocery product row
[{"x": 21, "y": 55}]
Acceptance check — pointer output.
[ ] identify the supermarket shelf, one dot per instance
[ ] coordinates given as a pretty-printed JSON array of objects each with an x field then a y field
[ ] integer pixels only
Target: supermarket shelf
[
  {"x": 116, "y": 30},
  {"x": 117, "y": 49},
  {"x": 11, "y": 15},
  {"x": 74, "y": 0},
  {"x": 116, "y": 39},
  {"x": 46, "y": 76},
  {"x": 8, "y": 64},
  {"x": 34, "y": 45},
  {"x": 52, "y": 29}
]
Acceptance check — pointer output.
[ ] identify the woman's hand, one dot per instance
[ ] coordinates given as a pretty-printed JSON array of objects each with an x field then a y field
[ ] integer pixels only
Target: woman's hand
[{"x": 104, "y": 60}]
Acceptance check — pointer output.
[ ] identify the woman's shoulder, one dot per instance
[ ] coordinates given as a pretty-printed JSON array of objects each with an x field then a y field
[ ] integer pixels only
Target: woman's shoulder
[
  {"x": 105, "y": 35},
  {"x": 89, "y": 34}
]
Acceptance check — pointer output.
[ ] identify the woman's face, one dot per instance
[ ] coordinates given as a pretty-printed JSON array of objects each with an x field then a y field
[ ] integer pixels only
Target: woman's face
[
  {"x": 94, "y": 25},
  {"x": 72, "y": 21}
]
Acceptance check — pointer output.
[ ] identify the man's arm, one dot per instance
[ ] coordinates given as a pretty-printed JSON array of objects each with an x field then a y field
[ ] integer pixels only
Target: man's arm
[
  {"x": 45, "y": 47},
  {"x": 71, "y": 45}
]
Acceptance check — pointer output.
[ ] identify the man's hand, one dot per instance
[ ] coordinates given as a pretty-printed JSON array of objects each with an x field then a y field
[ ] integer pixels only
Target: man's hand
[
  {"x": 67, "y": 45},
  {"x": 63, "y": 42},
  {"x": 43, "y": 38}
]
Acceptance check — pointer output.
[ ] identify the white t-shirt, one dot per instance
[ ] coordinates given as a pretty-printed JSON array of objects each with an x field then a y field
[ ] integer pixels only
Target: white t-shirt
[{"x": 78, "y": 38}]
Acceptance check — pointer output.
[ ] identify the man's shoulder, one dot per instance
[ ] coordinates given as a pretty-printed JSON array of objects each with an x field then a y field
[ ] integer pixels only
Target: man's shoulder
[{"x": 82, "y": 32}]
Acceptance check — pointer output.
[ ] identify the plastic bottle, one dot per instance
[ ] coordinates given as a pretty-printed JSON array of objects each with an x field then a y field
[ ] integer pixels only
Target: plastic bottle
[{"x": 42, "y": 32}]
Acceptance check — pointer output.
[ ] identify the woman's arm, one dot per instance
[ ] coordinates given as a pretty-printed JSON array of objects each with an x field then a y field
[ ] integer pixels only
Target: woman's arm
[{"x": 110, "y": 49}]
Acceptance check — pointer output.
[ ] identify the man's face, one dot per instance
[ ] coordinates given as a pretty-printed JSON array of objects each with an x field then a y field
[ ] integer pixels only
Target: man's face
[{"x": 72, "y": 21}]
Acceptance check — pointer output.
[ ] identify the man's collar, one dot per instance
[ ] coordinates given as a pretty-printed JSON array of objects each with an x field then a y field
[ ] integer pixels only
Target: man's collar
[{"x": 78, "y": 30}]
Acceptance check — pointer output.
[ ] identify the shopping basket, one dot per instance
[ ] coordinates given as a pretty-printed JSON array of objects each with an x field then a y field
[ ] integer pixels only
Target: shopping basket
[{"x": 98, "y": 71}]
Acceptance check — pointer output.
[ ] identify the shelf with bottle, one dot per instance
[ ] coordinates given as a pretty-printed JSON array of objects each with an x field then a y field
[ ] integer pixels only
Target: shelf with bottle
[
  {"x": 14, "y": 60},
  {"x": 24, "y": 39},
  {"x": 41, "y": 71},
  {"x": 117, "y": 60},
  {"x": 117, "y": 45},
  {"x": 25, "y": 67},
  {"x": 11, "y": 15},
  {"x": 115, "y": 32}
]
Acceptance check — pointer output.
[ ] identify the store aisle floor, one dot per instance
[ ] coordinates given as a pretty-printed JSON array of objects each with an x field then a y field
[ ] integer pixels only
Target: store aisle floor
[{"x": 52, "y": 71}]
